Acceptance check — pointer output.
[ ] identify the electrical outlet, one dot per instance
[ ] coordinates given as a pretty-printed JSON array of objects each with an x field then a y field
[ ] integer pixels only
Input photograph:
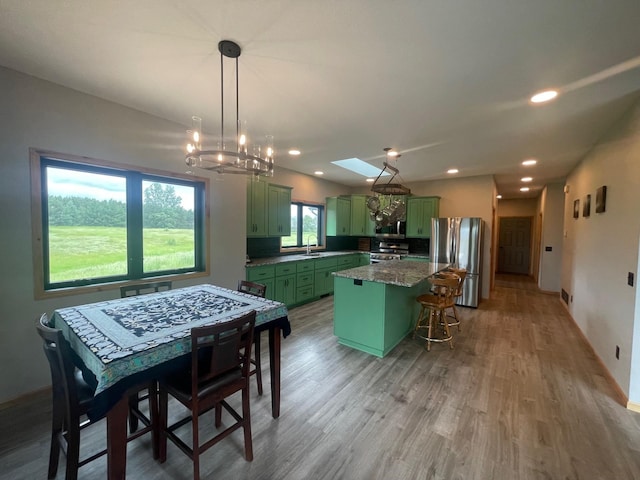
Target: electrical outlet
[
  {"x": 630, "y": 279},
  {"x": 617, "y": 352},
  {"x": 571, "y": 298}
]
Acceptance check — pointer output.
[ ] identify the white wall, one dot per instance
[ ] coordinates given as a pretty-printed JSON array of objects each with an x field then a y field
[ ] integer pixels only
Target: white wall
[
  {"x": 552, "y": 206},
  {"x": 517, "y": 207},
  {"x": 600, "y": 250},
  {"x": 466, "y": 197},
  {"x": 307, "y": 188}
]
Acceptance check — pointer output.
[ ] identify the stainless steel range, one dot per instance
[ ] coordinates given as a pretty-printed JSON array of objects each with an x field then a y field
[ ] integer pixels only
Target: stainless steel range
[{"x": 389, "y": 251}]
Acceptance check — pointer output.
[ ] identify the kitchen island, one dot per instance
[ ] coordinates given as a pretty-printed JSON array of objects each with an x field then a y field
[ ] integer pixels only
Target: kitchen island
[{"x": 374, "y": 306}]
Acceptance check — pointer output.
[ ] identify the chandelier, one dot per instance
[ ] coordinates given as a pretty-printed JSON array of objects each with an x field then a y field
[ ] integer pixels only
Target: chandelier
[{"x": 240, "y": 158}]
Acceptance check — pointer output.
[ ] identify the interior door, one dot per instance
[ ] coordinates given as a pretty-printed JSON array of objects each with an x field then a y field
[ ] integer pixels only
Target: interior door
[{"x": 514, "y": 249}]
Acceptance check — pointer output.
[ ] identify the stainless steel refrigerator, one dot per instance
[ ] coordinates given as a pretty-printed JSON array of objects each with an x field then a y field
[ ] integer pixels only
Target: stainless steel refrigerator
[{"x": 459, "y": 241}]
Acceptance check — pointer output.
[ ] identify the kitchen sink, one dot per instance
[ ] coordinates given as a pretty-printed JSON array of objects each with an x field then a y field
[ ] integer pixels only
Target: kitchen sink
[{"x": 312, "y": 254}]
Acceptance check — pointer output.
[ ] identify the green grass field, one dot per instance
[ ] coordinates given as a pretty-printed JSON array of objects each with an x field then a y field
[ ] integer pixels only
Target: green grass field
[{"x": 91, "y": 252}]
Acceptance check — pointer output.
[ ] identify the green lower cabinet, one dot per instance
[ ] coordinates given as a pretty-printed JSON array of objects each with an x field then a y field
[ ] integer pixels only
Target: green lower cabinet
[
  {"x": 364, "y": 259},
  {"x": 323, "y": 281},
  {"x": 305, "y": 286},
  {"x": 373, "y": 317},
  {"x": 304, "y": 293},
  {"x": 348, "y": 261},
  {"x": 264, "y": 275},
  {"x": 285, "y": 289}
]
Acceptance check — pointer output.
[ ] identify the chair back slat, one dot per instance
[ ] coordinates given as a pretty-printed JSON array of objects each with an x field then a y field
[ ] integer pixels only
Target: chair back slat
[
  {"x": 218, "y": 349},
  {"x": 253, "y": 288},
  {"x": 144, "y": 288},
  {"x": 445, "y": 286}
]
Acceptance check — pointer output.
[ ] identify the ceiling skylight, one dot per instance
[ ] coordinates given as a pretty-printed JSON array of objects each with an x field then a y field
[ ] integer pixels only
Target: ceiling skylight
[{"x": 360, "y": 167}]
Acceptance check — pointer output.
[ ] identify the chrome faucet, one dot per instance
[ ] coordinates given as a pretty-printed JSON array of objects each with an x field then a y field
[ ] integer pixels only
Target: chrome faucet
[{"x": 309, "y": 242}]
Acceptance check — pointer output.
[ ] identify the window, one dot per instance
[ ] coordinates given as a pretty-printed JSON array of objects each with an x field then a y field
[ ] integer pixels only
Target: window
[
  {"x": 306, "y": 226},
  {"x": 110, "y": 223}
]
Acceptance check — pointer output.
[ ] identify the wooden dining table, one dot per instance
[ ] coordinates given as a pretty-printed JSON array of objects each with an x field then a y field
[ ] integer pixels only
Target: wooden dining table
[{"x": 126, "y": 342}]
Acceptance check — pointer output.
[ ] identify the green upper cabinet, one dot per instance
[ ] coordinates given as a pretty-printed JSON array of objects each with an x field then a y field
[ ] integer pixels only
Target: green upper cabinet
[
  {"x": 420, "y": 211},
  {"x": 338, "y": 216},
  {"x": 279, "y": 210},
  {"x": 361, "y": 223},
  {"x": 256, "y": 208}
]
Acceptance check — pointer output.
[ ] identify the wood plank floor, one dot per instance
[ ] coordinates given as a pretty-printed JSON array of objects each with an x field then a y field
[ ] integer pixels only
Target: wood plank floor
[{"x": 520, "y": 397}]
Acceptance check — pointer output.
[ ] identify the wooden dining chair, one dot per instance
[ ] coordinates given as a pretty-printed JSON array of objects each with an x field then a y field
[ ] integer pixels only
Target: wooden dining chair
[
  {"x": 220, "y": 364},
  {"x": 259, "y": 290},
  {"x": 135, "y": 413},
  {"x": 72, "y": 399}
]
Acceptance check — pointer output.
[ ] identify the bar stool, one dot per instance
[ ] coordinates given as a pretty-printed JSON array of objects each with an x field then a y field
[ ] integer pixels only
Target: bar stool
[
  {"x": 462, "y": 273},
  {"x": 432, "y": 310}
]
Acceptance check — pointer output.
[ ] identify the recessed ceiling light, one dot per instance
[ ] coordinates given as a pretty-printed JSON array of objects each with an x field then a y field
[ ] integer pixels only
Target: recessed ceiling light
[
  {"x": 544, "y": 96},
  {"x": 294, "y": 151},
  {"x": 370, "y": 180},
  {"x": 529, "y": 162},
  {"x": 318, "y": 172},
  {"x": 526, "y": 179},
  {"x": 524, "y": 189},
  {"x": 498, "y": 197},
  {"x": 391, "y": 152},
  {"x": 452, "y": 170}
]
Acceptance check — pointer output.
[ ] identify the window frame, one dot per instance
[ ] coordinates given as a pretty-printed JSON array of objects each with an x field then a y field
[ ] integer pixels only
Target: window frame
[
  {"x": 40, "y": 159},
  {"x": 300, "y": 244}
]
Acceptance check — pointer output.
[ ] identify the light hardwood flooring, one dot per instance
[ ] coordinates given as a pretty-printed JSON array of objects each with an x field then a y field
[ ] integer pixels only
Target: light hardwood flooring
[{"x": 520, "y": 397}]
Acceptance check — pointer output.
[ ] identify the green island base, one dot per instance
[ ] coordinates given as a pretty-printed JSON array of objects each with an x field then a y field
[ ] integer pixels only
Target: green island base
[{"x": 374, "y": 317}]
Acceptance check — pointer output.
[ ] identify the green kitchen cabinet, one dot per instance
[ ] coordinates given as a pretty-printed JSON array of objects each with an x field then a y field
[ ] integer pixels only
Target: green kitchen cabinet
[
  {"x": 323, "y": 275},
  {"x": 285, "y": 283},
  {"x": 345, "y": 262},
  {"x": 256, "y": 208},
  {"x": 420, "y": 211},
  {"x": 365, "y": 259},
  {"x": 305, "y": 286},
  {"x": 264, "y": 275},
  {"x": 285, "y": 289},
  {"x": 338, "y": 216},
  {"x": 361, "y": 223},
  {"x": 374, "y": 317},
  {"x": 279, "y": 210}
]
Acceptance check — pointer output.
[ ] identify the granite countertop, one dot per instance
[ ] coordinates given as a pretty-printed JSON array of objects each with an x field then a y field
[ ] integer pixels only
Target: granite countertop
[
  {"x": 393, "y": 272},
  {"x": 297, "y": 257}
]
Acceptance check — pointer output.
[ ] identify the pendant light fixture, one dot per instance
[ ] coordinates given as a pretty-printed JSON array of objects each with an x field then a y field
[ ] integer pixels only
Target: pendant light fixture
[
  {"x": 390, "y": 188},
  {"x": 241, "y": 158},
  {"x": 388, "y": 205}
]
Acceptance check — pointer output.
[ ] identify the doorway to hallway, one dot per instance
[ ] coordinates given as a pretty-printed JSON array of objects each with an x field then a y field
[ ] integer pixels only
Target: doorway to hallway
[{"x": 514, "y": 245}]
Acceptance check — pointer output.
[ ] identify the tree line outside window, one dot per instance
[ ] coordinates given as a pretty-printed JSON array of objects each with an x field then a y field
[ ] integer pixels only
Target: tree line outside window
[{"x": 101, "y": 224}]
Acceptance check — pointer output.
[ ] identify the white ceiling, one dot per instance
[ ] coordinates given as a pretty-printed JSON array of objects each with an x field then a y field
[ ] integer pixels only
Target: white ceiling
[{"x": 445, "y": 82}]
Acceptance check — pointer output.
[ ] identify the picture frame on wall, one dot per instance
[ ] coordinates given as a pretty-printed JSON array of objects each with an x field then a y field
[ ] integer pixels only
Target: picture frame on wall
[
  {"x": 601, "y": 199},
  {"x": 586, "y": 208},
  {"x": 576, "y": 208}
]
